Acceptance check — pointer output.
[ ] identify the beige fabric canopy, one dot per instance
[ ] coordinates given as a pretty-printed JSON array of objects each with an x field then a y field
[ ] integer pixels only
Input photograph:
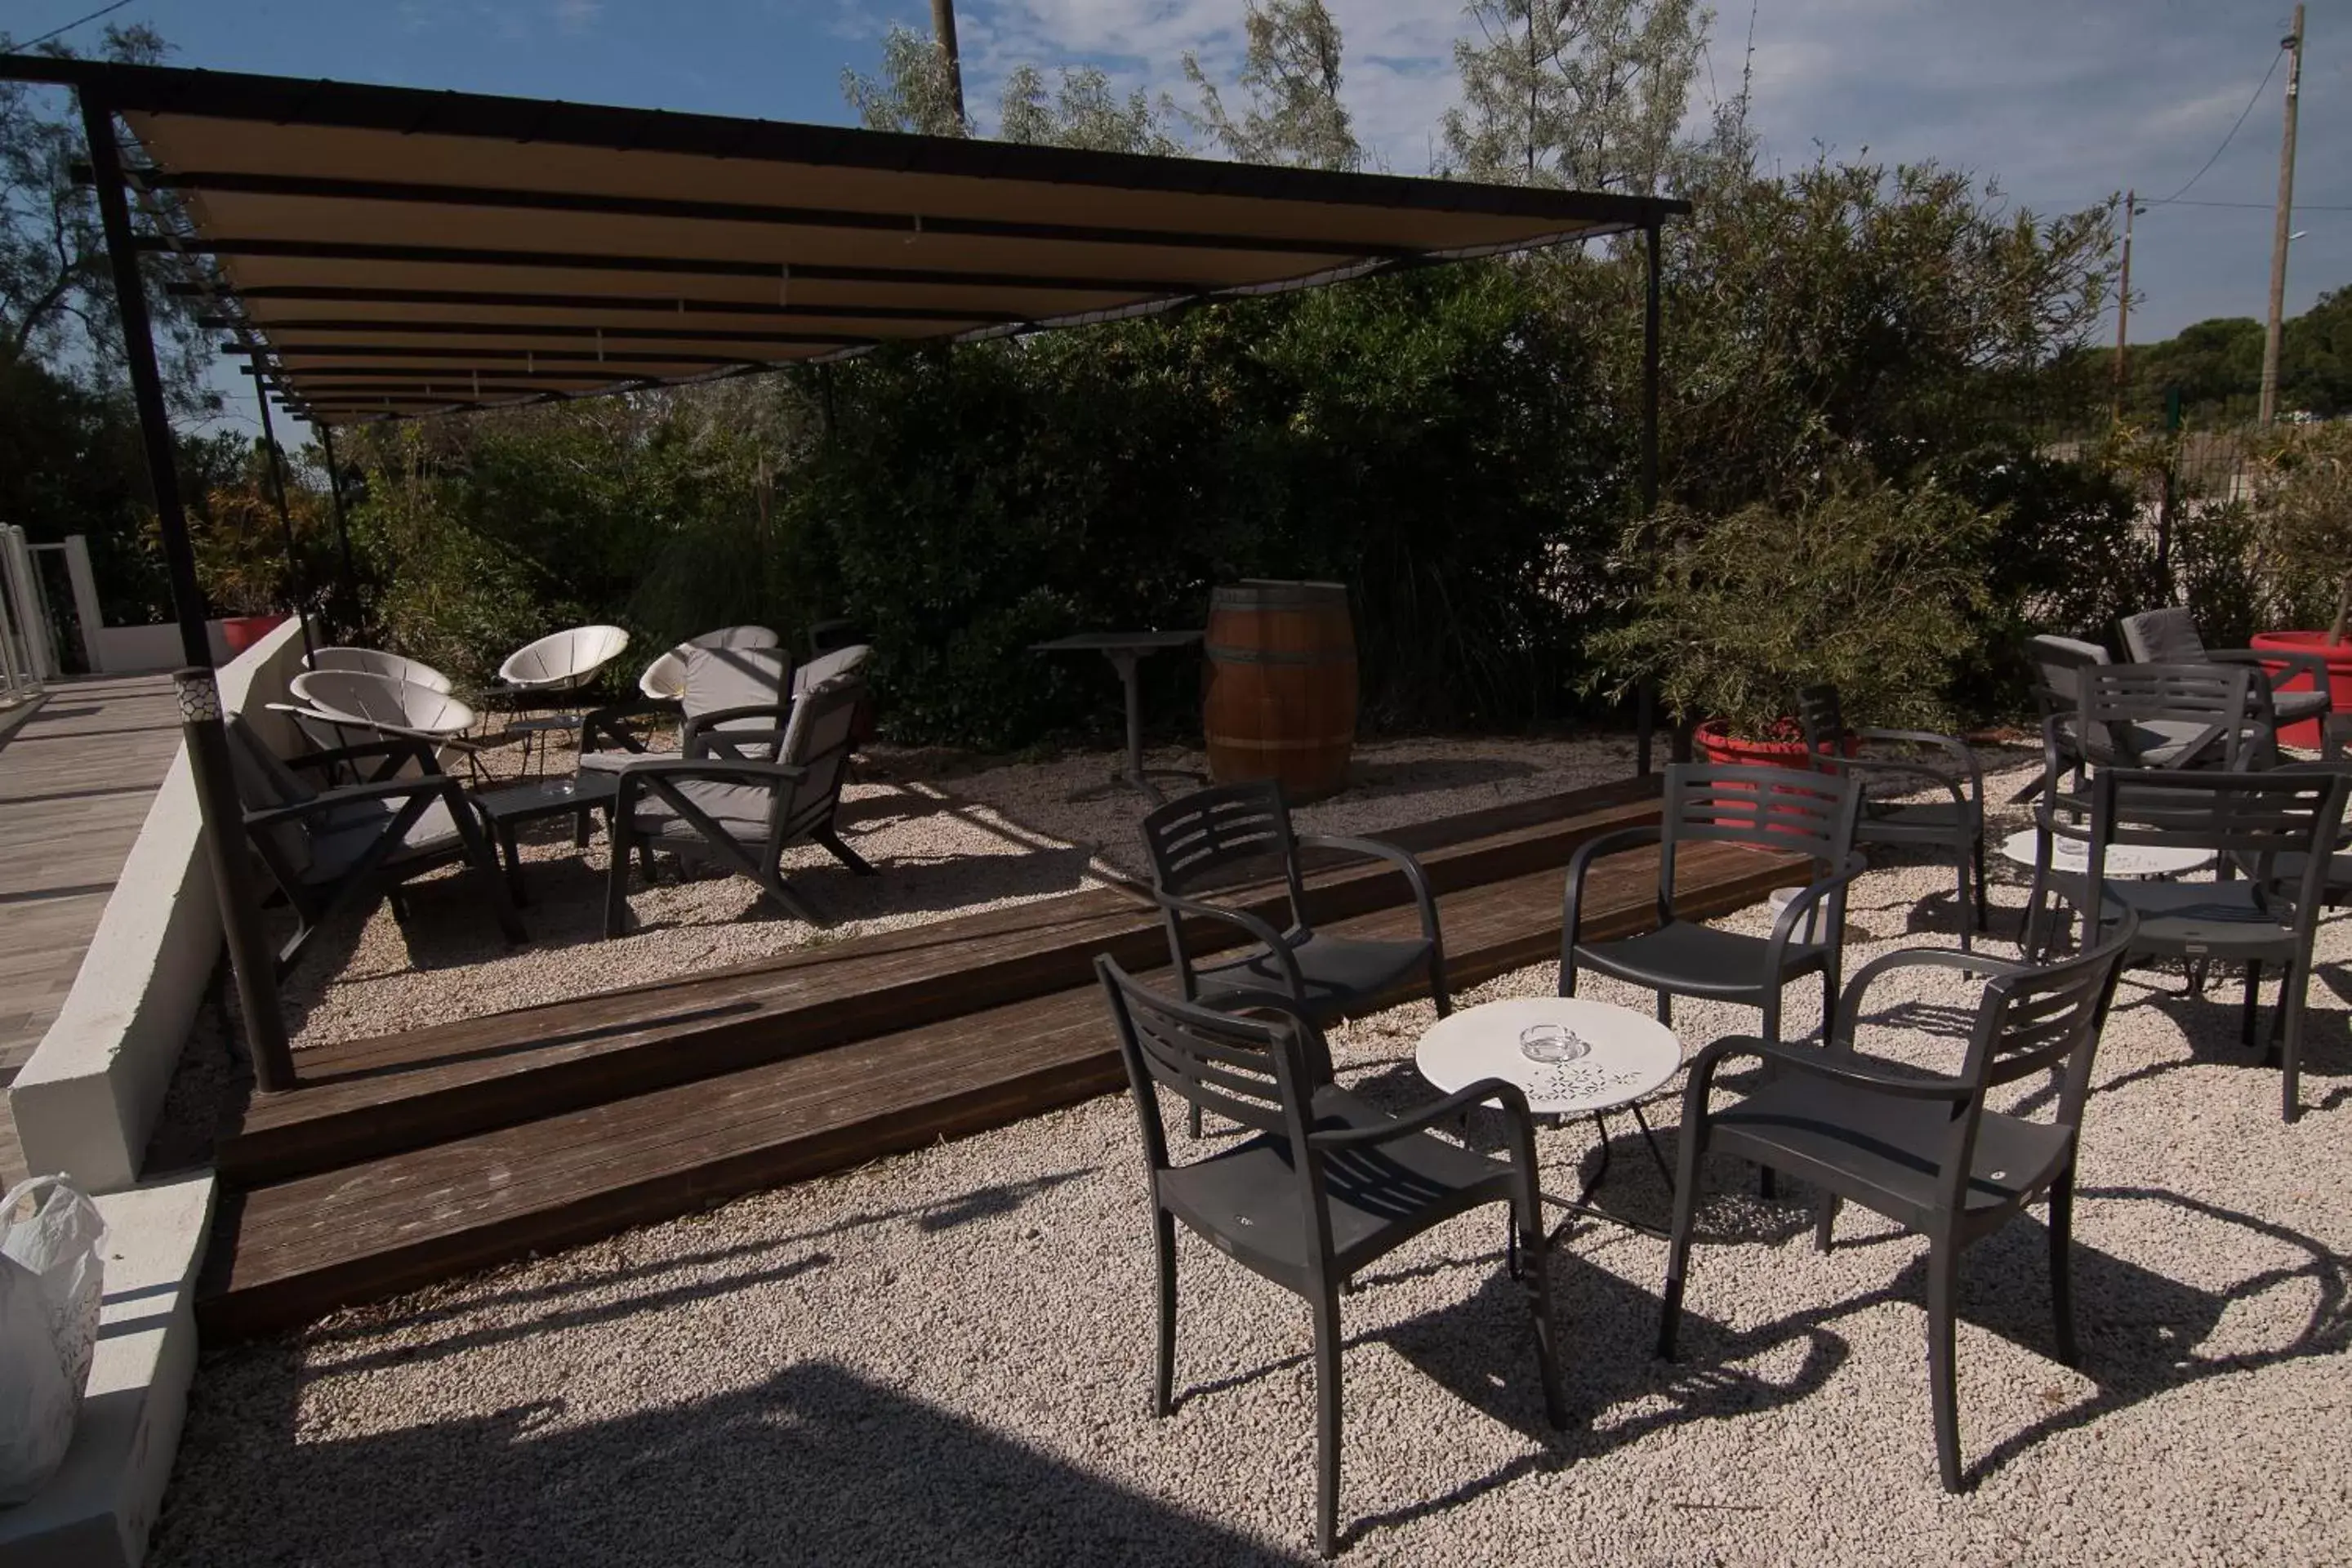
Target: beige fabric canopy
[{"x": 386, "y": 252}]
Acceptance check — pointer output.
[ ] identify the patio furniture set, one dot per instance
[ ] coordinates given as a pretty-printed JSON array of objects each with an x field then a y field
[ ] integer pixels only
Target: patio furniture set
[
  {"x": 2151, "y": 771},
  {"x": 764, "y": 753}
]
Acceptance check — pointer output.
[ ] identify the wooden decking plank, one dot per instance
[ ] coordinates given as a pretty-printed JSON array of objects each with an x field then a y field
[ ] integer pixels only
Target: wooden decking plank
[
  {"x": 456, "y": 1079},
  {"x": 289, "y": 1251}
]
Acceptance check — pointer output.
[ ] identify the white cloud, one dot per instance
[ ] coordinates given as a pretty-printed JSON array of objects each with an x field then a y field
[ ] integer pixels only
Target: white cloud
[{"x": 577, "y": 16}]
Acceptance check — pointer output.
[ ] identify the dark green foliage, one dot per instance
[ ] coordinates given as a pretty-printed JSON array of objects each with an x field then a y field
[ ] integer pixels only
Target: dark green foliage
[
  {"x": 1429, "y": 440},
  {"x": 70, "y": 462},
  {"x": 1870, "y": 588}
]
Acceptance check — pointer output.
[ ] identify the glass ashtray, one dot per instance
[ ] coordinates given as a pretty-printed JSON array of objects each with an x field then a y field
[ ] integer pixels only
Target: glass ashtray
[{"x": 1551, "y": 1042}]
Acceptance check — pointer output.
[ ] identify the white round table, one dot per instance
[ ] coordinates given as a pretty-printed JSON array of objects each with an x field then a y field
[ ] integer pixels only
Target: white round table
[
  {"x": 1628, "y": 1058},
  {"x": 2123, "y": 860}
]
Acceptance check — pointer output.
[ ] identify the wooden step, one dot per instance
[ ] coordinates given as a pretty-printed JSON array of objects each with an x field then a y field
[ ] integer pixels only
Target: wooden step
[
  {"x": 367, "y": 1098},
  {"x": 290, "y": 1250}
]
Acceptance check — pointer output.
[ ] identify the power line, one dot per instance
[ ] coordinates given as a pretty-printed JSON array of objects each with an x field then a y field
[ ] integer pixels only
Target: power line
[
  {"x": 2300, "y": 208},
  {"x": 2233, "y": 132},
  {"x": 77, "y": 22}
]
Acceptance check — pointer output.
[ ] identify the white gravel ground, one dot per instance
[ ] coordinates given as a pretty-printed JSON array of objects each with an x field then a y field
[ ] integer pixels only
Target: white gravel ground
[
  {"x": 946, "y": 1357},
  {"x": 973, "y": 839}
]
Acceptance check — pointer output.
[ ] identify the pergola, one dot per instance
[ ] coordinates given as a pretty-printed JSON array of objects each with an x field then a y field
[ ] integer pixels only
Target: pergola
[{"x": 382, "y": 253}]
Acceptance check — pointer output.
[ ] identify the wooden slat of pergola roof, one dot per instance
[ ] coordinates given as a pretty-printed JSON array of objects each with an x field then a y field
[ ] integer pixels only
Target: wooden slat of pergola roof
[{"x": 383, "y": 251}]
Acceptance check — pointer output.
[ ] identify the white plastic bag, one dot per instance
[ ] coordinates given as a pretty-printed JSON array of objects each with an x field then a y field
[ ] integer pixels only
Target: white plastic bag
[{"x": 52, "y": 1279}]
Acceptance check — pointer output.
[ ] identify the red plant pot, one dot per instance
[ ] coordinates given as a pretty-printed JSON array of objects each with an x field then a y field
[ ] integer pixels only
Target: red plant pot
[
  {"x": 2339, "y": 677},
  {"x": 241, "y": 632},
  {"x": 1716, "y": 744}
]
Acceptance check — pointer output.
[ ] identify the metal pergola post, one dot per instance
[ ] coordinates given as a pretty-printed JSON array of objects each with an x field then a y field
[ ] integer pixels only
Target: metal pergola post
[
  {"x": 201, "y": 725},
  {"x": 294, "y": 573},
  {"x": 1646, "y": 694},
  {"x": 342, "y": 523}
]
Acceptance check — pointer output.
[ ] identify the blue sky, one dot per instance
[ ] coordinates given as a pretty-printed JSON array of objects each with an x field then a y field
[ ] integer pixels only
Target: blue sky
[{"x": 2065, "y": 102}]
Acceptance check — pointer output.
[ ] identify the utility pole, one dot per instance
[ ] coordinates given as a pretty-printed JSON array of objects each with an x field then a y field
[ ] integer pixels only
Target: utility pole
[
  {"x": 2122, "y": 305},
  {"x": 2293, "y": 44},
  {"x": 943, "y": 29}
]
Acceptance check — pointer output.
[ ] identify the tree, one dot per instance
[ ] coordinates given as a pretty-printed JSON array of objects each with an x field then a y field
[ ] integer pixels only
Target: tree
[
  {"x": 1291, "y": 75},
  {"x": 1084, "y": 112},
  {"x": 915, "y": 92},
  {"x": 1586, "y": 94},
  {"x": 57, "y": 289}
]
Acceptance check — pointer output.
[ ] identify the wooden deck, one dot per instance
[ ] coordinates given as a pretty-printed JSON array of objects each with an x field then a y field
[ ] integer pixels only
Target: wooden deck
[
  {"x": 77, "y": 777},
  {"x": 416, "y": 1157}
]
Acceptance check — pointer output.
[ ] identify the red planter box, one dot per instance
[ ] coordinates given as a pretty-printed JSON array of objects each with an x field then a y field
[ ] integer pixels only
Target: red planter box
[
  {"x": 2339, "y": 677},
  {"x": 1718, "y": 745},
  {"x": 241, "y": 632}
]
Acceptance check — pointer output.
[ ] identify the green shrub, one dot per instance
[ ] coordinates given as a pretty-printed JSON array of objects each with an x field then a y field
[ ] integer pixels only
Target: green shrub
[{"x": 1869, "y": 587}]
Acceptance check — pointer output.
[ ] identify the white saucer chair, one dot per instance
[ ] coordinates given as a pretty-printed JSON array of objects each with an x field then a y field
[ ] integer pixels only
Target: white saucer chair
[
  {"x": 664, "y": 678},
  {"x": 381, "y": 702},
  {"x": 563, "y": 661},
  {"x": 374, "y": 661}
]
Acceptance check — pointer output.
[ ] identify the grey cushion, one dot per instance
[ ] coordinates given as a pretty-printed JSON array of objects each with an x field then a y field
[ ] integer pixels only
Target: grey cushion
[
  {"x": 831, "y": 667},
  {"x": 338, "y": 850},
  {"x": 721, "y": 678},
  {"x": 2163, "y": 637},
  {"x": 740, "y": 808}
]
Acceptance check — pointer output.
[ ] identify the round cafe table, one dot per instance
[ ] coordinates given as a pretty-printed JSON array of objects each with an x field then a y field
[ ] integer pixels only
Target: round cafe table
[
  {"x": 2123, "y": 860},
  {"x": 1626, "y": 1058}
]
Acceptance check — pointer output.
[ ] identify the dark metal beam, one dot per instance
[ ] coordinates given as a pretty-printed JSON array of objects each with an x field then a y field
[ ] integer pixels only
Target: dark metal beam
[
  {"x": 279, "y": 332},
  {"x": 295, "y": 574},
  {"x": 410, "y": 111},
  {"x": 560, "y": 355},
  {"x": 524, "y": 299},
  {"x": 912, "y": 224},
  {"x": 695, "y": 266},
  {"x": 196, "y": 687}
]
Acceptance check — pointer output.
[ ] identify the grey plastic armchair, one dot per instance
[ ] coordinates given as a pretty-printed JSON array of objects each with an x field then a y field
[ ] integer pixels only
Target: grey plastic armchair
[
  {"x": 1326, "y": 1186},
  {"x": 721, "y": 801},
  {"x": 1955, "y": 825},
  {"x": 327, "y": 850},
  {"x": 1923, "y": 1150},
  {"x": 2170, "y": 636},
  {"x": 1778, "y": 810}
]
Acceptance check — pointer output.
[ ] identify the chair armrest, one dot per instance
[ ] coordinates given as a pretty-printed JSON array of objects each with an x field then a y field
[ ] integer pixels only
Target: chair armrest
[
  {"x": 607, "y": 723},
  {"x": 1402, "y": 859},
  {"x": 2297, "y": 664},
  {"x": 782, "y": 712},
  {"x": 1952, "y": 746},
  {"x": 1515, "y": 1105},
  {"x": 1849, "y": 1008},
  {"x": 1963, "y": 798},
  {"x": 1799, "y": 908},
  {"x": 1592, "y": 849},
  {"x": 721, "y": 770},
  {"x": 351, "y": 795},
  {"x": 1259, "y": 931}
]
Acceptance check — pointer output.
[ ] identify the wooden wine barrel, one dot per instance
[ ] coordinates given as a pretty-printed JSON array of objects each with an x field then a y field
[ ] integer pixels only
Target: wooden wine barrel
[{"x": 1281, "y": 701}]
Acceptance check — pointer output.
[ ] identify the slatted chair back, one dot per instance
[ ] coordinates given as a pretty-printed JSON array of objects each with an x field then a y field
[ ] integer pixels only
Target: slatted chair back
[
  {"x": 2136, "y": 708},
  {"x": 2030, "y": 1019},
  {"x": 1200, "y": 839},
  {"x": 1782, "y": 810},
  {"x": 819, "y": 738},
  {"x": 2247, "y": 820},
  {"x": 2167, "y": 636}
]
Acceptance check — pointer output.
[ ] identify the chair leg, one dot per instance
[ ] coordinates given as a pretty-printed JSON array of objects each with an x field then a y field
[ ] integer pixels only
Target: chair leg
[
  {"x": 1984, "y": 902},
  {"x": 616, "y": 880},
  {"x": 2062, "y": 1273},
  {"x": 1825, "y": 1222},
  {"x": 1767, "y": 1181},
  {"x": 1670, "y": 1315},
  {"x": 1535, "y": 1278},
  {"x": 1326, "y": 1420},
  {"x": 1193, "y": 1121},
  {"x": 1666, "y": 1007},
  {"x": 843, "y": 852},
  {"x": 1439, "y": 993},
  {"x": 1967, "y": 906},
  {"x": 2246, "y": 1012},
  {"x": 1163, "y": 1400},
  {"x": 2292, "y": 981},
  {"x": 1943, "y": 1283}
]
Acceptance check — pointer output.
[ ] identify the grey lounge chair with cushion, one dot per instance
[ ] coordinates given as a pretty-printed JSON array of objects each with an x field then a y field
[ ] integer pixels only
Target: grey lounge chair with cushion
[
  {"x": 1921, "y": 1149},
  {"x": 2169, "y": 637},
  {"x": 1778, "y": 810},
  {"x": 2261, "y": 825},
  {"x": 742, "y": 798},
  {"x": 1955, "y": 826},
  {"x": 1208, "y": 837},
  {"x": 1325, "y": 1186},
  {"x": 326, "y": 850}
]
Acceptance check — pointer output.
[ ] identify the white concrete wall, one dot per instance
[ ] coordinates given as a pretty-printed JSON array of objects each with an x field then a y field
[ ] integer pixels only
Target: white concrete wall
[
  {"x": 87, "y": 1101},
  {"x": 128, "y": 650}
]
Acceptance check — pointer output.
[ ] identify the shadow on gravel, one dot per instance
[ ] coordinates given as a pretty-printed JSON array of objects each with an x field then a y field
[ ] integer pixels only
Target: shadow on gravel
[{"x": 816, "y": 1464}]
